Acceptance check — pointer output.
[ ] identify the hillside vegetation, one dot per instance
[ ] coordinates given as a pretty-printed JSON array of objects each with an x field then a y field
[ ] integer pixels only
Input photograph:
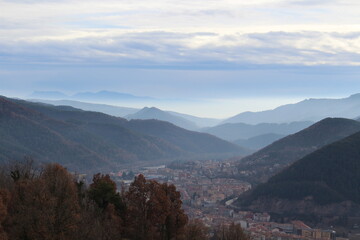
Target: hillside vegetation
[
  {"x": 270, "y": 160},
  {"x": 83, "y": 140},
  {"x": 324, "y": 182}
]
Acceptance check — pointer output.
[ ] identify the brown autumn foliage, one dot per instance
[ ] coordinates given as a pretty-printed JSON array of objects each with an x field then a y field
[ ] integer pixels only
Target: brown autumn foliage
[
  {"x": 48, "y": 204},
  {"x": 175, "y": 221},
  {"x": 45, "y": 207},
  {"x": 153, "y": 211},
  {"x": 4, "y": 199},
  {"x": 196, "y": 230},
  {"x": 230, "y": 232}
]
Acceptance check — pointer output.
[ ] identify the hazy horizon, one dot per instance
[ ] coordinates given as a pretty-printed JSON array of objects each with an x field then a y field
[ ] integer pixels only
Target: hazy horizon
[
  {"x": 210, "y": 108},
  {"x": 215, "y": 59}
]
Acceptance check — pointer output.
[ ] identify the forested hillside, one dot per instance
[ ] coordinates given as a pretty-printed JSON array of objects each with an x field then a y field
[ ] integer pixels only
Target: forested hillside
[
  {"x": 83, "y": 140},
  {"x": 270, "y": 160},
  {"x": 325, "y": 182}
]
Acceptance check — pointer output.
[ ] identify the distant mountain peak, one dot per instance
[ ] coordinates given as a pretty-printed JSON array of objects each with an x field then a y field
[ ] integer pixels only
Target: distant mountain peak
[
  {"x": 158, "y": 114},
  {"x": 356, "y": 95},
  {"x": 109, "y": 93},
  {"x": 99, "y": 96},
  {"x": 152, "y": 108},
  {"x": 312, "y": 109},
  {"x": 105, "y": 95}
]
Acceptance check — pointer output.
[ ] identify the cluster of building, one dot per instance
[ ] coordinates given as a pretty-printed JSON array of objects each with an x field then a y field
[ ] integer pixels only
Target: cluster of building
[
  {"x": 261, "y": 228},
  {"x": 259, "y": 225},
  {"x": 202, "y": 184}
]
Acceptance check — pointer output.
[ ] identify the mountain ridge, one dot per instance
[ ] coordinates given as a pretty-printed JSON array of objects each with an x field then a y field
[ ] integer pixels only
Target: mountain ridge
[
  {"x": 155, "y": 113},
  {"x": 104, "y": 108},
  {"x": 107, "y": 140},
  {"x": 98, "y": 96},
  {"x": 259, "y": 141},
  {"x": 235, "y": 131},
  {"x": 325, "y": 182},
  {"x": 307, "y": 110},
  {"x": 271, "y": 159}
]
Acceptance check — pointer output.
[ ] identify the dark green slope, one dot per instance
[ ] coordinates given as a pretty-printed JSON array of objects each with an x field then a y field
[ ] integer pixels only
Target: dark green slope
[
  {"x": 78, "y": 144},
  {"x": 187, "y": 140},
  {"x": 85, "y": 140},
  {"x": 329, "y": 176},
  {"x": 270, "y": 160},
  {"x": 26, "y": 132},
  {"x": 145, "y": 147},
  {"x": 177, "y": 139},
  {"x": 336, "y": 166},
  {"x": 111, "y": 130}
]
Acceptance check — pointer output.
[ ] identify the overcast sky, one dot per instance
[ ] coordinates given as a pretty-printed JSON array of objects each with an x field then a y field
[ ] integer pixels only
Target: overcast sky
[{"x": 225, "y": 56}]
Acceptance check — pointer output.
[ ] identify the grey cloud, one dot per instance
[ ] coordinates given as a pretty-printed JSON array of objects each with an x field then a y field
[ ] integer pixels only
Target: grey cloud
[
  {"x": 34, "y": 1},
  {"x": 208, "y": 12},
  {"x": 168, "y": 49},
  {"x": 311, "y": 2}
]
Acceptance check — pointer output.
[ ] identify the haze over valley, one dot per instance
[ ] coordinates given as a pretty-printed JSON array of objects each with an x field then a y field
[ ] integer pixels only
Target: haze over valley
[
  {"x": 246, "y": 160},
  {"x": 179, "y": 120}
]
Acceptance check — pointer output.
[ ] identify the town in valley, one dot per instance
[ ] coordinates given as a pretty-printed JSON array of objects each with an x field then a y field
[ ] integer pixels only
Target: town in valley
[{"x": 208, "y": 190}]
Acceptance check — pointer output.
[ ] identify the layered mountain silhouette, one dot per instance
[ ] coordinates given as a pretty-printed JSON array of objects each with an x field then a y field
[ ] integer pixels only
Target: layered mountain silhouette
[
  {"x": 83, "y": 140},
  {"x": 260, "y": 141},
  {"x": 104, "y": 108},
  {"x": 311, "y": 110},
  {"x": 101, "y": 96},
  {"x": 179, "y": 119},
  {"x": 108, "y": 96},
  {"x": 199, "y": 121},
  {"x": 236, "y": 131},
  {"x": 323, "y": 183},
  {"x": 155, "y": 113},
  {"x": 307, "y": 110},
  {"x": 266, "y": 162}
]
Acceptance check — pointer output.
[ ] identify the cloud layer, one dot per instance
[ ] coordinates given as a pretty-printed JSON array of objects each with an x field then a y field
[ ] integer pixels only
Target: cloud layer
[
  {"x": 221, "y": 56},
  {"x": 180, "y": 34},
  {"x": 186, "y": 50}
]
